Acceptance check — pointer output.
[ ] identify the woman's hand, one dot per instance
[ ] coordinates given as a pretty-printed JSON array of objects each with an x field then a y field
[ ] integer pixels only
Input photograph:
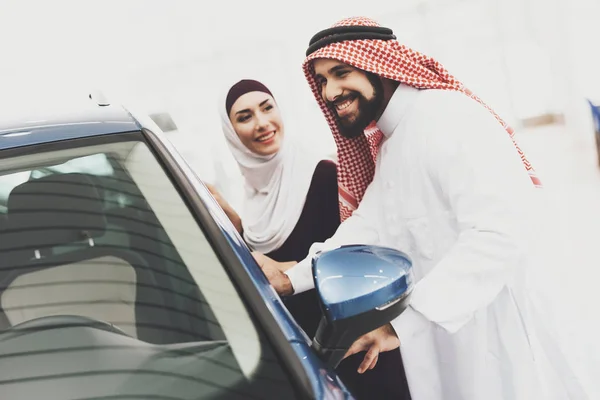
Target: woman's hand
[{"x": 229, "y": 211}]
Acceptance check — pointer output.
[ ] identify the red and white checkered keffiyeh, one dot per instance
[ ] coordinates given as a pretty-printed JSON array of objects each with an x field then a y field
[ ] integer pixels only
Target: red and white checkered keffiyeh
[{"x": 391, "y": 60}]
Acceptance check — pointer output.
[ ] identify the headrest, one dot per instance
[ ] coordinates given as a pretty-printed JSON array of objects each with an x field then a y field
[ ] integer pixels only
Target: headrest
[{"x": 53, "y": 210}]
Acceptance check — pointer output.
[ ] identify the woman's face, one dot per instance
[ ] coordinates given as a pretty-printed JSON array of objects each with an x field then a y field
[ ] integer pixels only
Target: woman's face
[{"x": 257, "y": 122}]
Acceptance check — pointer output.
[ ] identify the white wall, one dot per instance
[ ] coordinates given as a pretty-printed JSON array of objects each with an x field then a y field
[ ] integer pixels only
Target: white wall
[{"x": 523, "y": 57}]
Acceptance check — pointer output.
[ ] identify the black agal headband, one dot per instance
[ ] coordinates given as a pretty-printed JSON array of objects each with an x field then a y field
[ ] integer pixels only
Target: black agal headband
[{"x": 343, "y": 33}]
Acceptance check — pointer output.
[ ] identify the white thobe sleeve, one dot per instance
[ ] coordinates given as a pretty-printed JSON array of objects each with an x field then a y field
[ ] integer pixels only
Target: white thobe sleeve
[
  {"x": 354, "y": 230},
  {"x": 478, "y": 173}
]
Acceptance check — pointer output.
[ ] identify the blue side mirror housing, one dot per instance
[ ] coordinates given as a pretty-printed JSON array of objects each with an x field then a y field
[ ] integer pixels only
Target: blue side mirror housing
[{"x": 360, "y": 288}]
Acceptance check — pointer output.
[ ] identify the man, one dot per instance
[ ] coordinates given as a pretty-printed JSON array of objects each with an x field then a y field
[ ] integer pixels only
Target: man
[{"x": 439, "y": 177}]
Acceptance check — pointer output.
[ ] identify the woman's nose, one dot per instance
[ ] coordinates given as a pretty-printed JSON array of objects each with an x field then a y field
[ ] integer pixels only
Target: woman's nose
[{"x": 261, "y": 122}]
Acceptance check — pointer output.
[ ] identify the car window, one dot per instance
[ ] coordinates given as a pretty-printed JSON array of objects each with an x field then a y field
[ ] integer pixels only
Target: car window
[{"x": 109, "y": 287}]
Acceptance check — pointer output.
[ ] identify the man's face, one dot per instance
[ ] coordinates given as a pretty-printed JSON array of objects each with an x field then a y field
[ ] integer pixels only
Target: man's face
[{"x": 353, "y": 95}]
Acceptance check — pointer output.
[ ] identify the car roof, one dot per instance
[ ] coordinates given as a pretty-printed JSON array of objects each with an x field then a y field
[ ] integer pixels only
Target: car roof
[{"x": 45, "y": 123}]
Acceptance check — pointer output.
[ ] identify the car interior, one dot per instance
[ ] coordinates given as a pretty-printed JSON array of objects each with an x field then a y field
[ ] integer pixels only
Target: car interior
[
  {"x": 69, "y": 248},
  {"x": 92, "y": 244}
]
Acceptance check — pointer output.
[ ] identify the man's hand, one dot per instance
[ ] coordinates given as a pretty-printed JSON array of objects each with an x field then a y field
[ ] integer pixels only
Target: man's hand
[
  {"x": 380, "y": 340},
  {"x": 274, "y": 271}
]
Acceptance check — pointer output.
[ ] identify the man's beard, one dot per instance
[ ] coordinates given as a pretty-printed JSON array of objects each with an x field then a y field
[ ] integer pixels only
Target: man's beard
[{"x": 366, "y": 111}]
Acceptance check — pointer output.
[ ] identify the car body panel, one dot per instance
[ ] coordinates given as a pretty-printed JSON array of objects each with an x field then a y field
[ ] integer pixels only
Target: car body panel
[
  {"x": 94, "y": 120},
  {"x": 69, "y": 124}
]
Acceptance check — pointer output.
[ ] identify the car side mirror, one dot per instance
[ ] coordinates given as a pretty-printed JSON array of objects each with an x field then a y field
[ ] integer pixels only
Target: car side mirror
[{"x": 360, "y": 288}]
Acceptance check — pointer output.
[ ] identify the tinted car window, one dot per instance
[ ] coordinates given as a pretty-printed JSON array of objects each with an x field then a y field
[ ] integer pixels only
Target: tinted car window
[{"x": 110, "y": 289}]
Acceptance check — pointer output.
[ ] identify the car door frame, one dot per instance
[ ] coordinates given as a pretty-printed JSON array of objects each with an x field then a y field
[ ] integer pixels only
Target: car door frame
[{"x": 311, "y": 378}]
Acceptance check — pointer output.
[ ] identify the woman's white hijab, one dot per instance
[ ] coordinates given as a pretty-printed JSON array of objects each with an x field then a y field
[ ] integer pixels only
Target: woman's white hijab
[{"x": 275, "y": 185}]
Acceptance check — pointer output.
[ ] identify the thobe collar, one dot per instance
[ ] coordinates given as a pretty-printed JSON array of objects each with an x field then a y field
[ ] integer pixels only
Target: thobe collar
[{"x": 396, "y": 108}]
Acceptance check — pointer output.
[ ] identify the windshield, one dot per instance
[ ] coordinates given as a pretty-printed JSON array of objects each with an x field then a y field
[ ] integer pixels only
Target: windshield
[{"x": 110, "y": 289}]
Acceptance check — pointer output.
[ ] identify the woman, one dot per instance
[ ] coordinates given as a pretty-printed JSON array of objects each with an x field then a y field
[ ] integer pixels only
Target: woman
[
  {"x": 290, "y": 195},
  {"x": 290, "y": 202}
]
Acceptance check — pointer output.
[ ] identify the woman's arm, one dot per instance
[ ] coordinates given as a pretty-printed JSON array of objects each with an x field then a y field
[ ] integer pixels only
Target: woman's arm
[{"x": 229, "y": 211}]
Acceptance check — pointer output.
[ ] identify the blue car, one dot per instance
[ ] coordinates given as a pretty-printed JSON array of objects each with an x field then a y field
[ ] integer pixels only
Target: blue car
[{"x": 121, "y": 277}]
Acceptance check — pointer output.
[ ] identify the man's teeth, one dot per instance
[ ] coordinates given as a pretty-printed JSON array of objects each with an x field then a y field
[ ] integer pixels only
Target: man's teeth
[
  {"x": 343, "y": 105},
  {"x": 266, "y": 137}
]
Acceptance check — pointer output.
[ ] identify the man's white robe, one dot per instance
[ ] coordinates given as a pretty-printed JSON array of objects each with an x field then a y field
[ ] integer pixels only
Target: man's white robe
[{"x": 451, "y": 191}]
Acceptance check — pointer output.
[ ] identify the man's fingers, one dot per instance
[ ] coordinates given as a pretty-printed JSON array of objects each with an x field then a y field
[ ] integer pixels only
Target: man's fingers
[
  {"x": 369, "y": 358},
  {"x": 356, "y": 347},
  {"x": 374, "y": 363}
]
